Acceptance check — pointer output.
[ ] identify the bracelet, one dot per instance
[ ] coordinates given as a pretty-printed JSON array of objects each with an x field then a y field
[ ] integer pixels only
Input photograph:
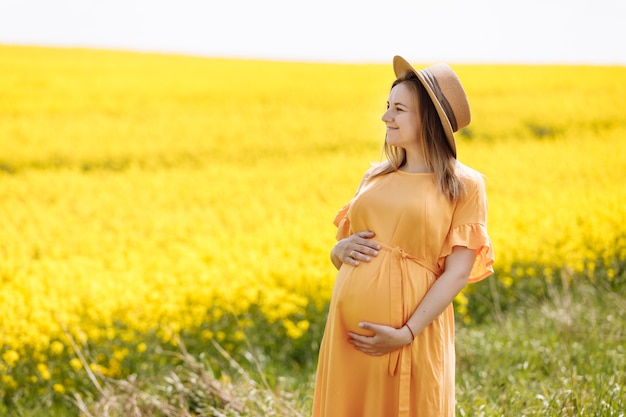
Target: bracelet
[{"x": 412, "y": 335}]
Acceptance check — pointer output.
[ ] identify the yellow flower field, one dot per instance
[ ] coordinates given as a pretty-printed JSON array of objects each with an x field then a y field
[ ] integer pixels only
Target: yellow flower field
[{"x": 153, "y": 194}]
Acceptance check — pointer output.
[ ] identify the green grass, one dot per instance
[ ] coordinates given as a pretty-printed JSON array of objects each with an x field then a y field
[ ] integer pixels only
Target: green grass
[{"x": 563, "y": 356}]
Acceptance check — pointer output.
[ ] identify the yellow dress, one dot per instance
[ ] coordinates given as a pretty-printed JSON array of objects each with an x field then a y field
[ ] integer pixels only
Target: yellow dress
[{"x": 417, "y": 226}]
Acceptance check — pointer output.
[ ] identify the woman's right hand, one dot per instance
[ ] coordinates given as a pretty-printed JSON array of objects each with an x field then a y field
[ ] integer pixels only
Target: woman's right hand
[{"x": 354, "y": 249}]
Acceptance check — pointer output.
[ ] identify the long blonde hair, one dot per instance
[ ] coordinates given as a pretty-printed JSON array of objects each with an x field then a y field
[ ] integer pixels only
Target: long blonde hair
[{"x": 438, "y": 155}]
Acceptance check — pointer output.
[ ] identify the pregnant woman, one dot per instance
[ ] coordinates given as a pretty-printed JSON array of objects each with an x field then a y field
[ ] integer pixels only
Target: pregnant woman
[{"x": 408, "y": 242}]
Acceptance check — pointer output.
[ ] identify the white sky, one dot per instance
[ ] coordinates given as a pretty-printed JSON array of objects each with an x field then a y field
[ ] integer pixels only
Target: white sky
[{"x": 472, "y": 31}]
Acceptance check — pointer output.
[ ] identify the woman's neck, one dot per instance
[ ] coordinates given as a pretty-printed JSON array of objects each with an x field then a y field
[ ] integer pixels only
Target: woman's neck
[{"x": 415, "y": 163}]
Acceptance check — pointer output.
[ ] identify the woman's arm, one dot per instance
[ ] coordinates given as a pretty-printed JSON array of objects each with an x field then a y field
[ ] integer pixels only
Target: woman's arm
[
  {"x": 457, "y": 271},
  {"x": 386, "y": 338}
]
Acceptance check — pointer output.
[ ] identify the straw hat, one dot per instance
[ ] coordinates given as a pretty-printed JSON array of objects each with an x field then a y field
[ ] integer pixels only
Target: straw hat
[{"x": 446, "y": 92}]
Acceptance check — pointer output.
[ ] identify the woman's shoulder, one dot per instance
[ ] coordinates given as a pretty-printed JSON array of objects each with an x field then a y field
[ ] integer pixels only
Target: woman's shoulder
[
  {"x": 472, "y": 179},
  {"x": 369, "y": 176},
  {"x": 468, "y": 174},
  {"x": 376, "y": 169}
]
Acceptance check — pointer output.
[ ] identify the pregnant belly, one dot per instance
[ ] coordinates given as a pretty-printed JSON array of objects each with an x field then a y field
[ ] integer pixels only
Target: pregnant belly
[
  {"x": 363, "y": 294},
  {"x": 381, "y": 292}
]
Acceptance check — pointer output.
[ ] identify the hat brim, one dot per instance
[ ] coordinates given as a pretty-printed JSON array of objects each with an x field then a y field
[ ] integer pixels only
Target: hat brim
[{"x": 400, "y": 68}]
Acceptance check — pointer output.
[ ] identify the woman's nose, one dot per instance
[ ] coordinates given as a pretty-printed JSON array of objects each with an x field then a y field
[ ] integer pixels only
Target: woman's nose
[{"x": 386, "y": 117}]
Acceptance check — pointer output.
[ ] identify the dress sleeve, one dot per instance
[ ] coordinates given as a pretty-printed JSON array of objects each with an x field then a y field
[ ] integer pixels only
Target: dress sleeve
[
  {"x": 342, "y": 221},
  {"x": 469, "y": 228}
]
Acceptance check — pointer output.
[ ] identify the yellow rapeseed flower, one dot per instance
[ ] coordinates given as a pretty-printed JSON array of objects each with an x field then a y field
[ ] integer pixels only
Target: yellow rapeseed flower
[
  {"x": 303, "y": 325},
  {"x": 610, "y": 274},
  {"x": 295, "y": 331},
  {"x": 114, "y": 368},
  {"x": 76, "y": 364},
  {"x": 99, "y": 369},
  {"x": 56, "y": 347},
  {"x": 8, "y": 381},
  {"x": 507, "y": 281},
  {"x": 10, "y": 357},
  {"x": 44, "y": 371},
  {"x": 120, "y": 354}
]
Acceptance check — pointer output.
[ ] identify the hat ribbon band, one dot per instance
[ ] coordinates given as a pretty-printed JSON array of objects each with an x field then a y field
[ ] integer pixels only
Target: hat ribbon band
[{"x": 434, "y": 87}]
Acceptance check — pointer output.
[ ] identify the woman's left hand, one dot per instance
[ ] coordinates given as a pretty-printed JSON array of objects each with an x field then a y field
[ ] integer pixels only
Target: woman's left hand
[{"x": 385, "y": 339}]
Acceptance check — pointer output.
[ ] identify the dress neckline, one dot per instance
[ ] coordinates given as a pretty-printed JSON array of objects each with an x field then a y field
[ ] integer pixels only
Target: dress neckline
[{"x": 415, "y": 173}]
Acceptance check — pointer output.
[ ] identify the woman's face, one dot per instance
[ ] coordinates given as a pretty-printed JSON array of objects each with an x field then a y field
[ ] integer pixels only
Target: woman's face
[{"x": 401, "y": 117}]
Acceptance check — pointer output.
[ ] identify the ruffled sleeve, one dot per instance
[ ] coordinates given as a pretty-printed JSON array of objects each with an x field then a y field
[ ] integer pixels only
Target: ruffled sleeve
[
  {"x": 472, "y": 236},
  {"x": 469, "y": 228},
  {"x": 342, "y": 221}
]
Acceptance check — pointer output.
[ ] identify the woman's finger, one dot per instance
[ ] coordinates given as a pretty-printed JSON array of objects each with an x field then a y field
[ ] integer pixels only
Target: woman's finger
[
  {"x": 368, "y": 250},
  {"x": 367, "y": 242},
  {"x": 351, "y": 258},
  {"x": 360, "y": 256}
]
